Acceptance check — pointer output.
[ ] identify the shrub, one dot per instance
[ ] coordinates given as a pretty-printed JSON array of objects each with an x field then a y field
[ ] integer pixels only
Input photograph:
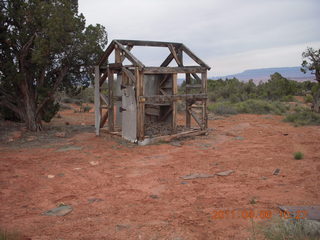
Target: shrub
[
  {"x": 308, "y": 98},
  {"x": 298, "y": 155},
  {"x": 256, "y": 106},
  {"x": 86, "y": 108},
  {"x": 288, "y": 98},
  {"x": 282, "y": 229},
  {"x": 302, "y": 117},
  {"x": 222, "y": 108}
]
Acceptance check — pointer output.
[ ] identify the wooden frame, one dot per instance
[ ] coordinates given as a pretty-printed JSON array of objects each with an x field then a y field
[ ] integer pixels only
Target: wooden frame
[{"x": 136, "y": 74}]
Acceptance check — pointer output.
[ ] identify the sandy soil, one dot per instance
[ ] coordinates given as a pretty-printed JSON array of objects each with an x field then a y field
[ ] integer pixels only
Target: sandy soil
[{"x": 123, "y": 191}]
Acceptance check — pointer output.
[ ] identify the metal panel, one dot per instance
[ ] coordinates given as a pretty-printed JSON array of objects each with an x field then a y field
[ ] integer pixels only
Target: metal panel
[{"x": 129, "y": 114}]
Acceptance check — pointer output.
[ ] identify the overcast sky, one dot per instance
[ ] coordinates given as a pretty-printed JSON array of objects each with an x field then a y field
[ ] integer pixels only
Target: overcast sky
[{"x": 229, "y": 35}]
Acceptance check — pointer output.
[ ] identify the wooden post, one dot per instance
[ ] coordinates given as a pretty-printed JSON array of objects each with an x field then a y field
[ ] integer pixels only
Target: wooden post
[
  {"x": 174, "y": 102},
  {"x": 97, "y": 99},
  {"x": 111, "y": 101},
  {"x": 188, "y": 115},
  {"x": 204, "y": 101},
  {"x": 140, "y": 104}
]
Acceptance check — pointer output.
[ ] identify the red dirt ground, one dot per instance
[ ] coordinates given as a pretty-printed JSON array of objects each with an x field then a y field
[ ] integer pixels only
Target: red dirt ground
[{"x": 139, "y": 191}]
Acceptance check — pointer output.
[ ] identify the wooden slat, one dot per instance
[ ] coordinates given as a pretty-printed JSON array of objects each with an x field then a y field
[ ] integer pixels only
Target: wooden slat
[
  {"x": 104, "y": 98},
  {"x": 106, "y": 53},
  {"x": 111, "y": 101},
  {"x": 193, "y": 86},
  {"x": 164, "y": 79},
  {"x": 174, "y": 103},
  {"x": 174, "y": 54},
  {"x": 164, "y": 70},
  {"x": 167, "y": 61},
  {"x": 97, "y": 99},
  {"x": 204, "y": 101},
  {"x": 129, "y": 74},
  {"x": 130, "y": 56},
  {"x": 188, "y": 115},
  {"x": 104, "y": 119},
  {"x": 195, "y": 118},
  {"x": 165, "y": 98},
  {"x": 129, "y": 49},
  {"x": 194, "y": 57},
  {"x": 103, "y": 77},
  {"x": 140, "y": 104},
  {"x": 198, "y": 79},
  {"x": 115, "y": 66}
]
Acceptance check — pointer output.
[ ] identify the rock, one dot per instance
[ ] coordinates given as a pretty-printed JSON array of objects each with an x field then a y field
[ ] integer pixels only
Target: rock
[
  {"x": 59, "y": 211},
  {"x": 51, "y": 176},
  {"x": 276, "y": 171},
  {"x": 225, "y": 173},
  {"x": 77, "y": 168},
  {"x": 239, "y": 138},
  {"x": 154, "y": 196},
  {"x": 60, "y": 174},
  {"x": 176, "y": 144},
  {"x": 92, "y": 200},
  {"x": 60, "y": 134},
  {"x": 184, "y": 182},
  {"x": 197, "y": 175},
  {"x": 31, "y": 138},
  {"x": 83, "y": 124},
  {"x": 94, "y": 163},
  {"x": 120, "y": 227}
]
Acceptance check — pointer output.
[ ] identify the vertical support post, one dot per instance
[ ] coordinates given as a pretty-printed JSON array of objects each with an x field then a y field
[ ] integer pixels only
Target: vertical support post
[
  {"x": 97, "y": 99},
  {"x": 117, "y": 54},
  {"x": 188, "y": 115},
  {"x": 111, "y": 101},
  {"x": 140, "y": 104},
  {"x": 204, "y": 83},
  {"x": 174, "y": 103}
]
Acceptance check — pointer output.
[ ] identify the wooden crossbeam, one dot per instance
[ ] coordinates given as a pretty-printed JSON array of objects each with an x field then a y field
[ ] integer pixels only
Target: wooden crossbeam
[
  {"x": 130, "y": 56},
  {"x": 194, "y": 57},
  {"x": 198, "y": 79},
  {"x": 174, "y": 54},
  {"x": 147, "y": 43},
  {"x": 104, "y": 98},
  {"x": 164, "y": 70},
  {"x": 103, "y": 77},
  {"x": 129, "y": 74},
  {"x": 106, "y": 54},
  {"x": 167, "y": 61},
  {"x": 167, "y": 98},
  {"x": 195, "y": 118}
]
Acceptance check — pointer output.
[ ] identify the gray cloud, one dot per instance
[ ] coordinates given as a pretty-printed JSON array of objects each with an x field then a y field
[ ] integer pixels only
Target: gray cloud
[{"x": 270, "y": 33}]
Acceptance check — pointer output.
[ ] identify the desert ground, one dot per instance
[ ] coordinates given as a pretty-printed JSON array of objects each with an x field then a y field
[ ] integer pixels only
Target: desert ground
[{"x": 119, "y": 190}]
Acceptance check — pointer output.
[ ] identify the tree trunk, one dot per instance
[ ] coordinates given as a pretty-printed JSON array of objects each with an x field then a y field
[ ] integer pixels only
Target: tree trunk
[{"x": 316, "y": 101}]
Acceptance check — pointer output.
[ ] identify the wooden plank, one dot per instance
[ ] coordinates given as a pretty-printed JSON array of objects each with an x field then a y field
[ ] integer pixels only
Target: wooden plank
[
  {"x": 115, "y": 66},
  {"x": 104, "y": 119},
  {"x": 174, "y": 103},
  {"x": 196, "y": 119},
  {"x": 165, "y": 70},
  {"x": 111, "y": 101},
  {"x": 169, "y": 138},
  {"x": 130, "y": 57},
  {"x": 140, "y": 104},
  {"x": 188, "y": 115},
  {"x": 129, "y": 74},
  {"x": 204, "y": 83},
  {"x": 194, "y": 57},
  {"x": 147, "y": 43},
  {"x": 167, "y": 61},
  {"x": 164, "y": 79},
  {"x": 106, "y": 53},
  {"x": 97, "y": 99},
  {"x": 104, "y": 98},
  {"x": 174, "y": 54},
  {"x": 103, "y": 77},
  {"x": 155, "y": 99},
  {"x": 198, "y": 79},
  {"x": 124, "y": 57}
]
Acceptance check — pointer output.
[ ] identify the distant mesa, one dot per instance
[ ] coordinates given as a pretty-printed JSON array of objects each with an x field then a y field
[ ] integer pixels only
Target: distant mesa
[{"x": 263, "y": 74}]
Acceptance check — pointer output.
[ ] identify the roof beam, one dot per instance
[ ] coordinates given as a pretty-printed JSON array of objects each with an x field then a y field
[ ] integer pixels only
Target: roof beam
[
  {"x": 147, "y": 43},
  {"x": 129, "y": 55},
  {"x": 194, "y": 57},
  {"x": 164, "y": 70}
]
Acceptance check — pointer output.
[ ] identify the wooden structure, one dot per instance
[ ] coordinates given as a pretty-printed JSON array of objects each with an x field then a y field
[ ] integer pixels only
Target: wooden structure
[{"x": 137, "y": 94}]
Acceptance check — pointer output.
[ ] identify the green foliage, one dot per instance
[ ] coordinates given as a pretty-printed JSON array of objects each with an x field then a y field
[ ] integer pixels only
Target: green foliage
[
  {"x": 282, "y": 229},
  {"x": 303, "y": 117},
  {"x": 298, "y": 155},
  {"x": 222, "y": 108},
  {"x": 311, "y": 62},
  {"x": 45, "y": 47},
  {"x": 50, "y": 111},
  {"x": 308, "y": 98}
]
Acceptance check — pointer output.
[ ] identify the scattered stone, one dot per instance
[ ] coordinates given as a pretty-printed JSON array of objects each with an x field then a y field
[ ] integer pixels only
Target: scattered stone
[
  {"x": 197, "y": 175},
  {"x": 10, "y": 139},
  {"x": 120, "y": 227},
  {"x": 77, "y": 168},
  {"x": 154, "y": 196},
  {"x": 60, "y": 174},
  {"x": 285, "y": 134},
  {"x": 225, "y": 173},
  {"x": 176, "y": 144},
  {"x": 31, "y": 138},
  {"x": 263, "y": 178},
  {"x": 276, "y": 171},
  {"x": 51, "y": 176},
  {"x": 68, "y": 148},
  {"x": 59, "y": 211},
  {"x": 94, "y": 163},
  {"x": 239, "y": 138},
  {"x": 92, "y": 200},
  {"x": 83, "y": 124},
  {"x": 60, "y": 134},
  {"x": 67, "y": 123},
  {"x": 184, "y": 182}
]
